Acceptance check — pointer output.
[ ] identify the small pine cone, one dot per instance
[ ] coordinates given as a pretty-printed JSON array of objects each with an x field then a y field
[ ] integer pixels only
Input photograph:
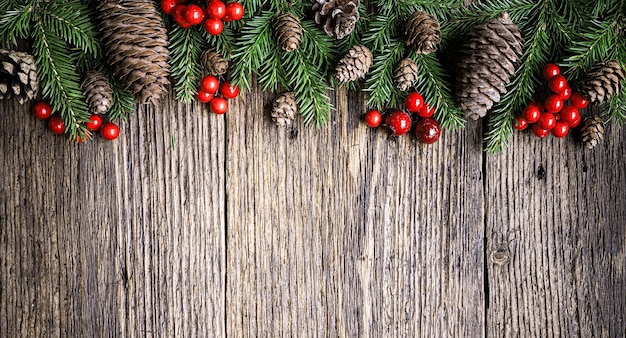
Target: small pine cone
[
  {"x": 489, "y": 57},
  {"x": 355, "y": 64},
  {"x": 18, "y": 76},
  {"x": 603, "y": 81},
  {"x": 288, "y": 31},
  {"x": 405, "y": 74},
  {"x": 214, "y": 63},
  {"x": 338, "y": 17},
  {"x": 592, "y": 131},
  {"x": 284, "y": 109},
  {"x": 422, "y": 32},
  {"x": 97, "y": 91},
  {"x": 136, "y": 42}
]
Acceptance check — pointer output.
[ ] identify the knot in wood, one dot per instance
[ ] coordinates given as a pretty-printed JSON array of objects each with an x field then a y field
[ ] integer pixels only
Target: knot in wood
[{"x": 500, "y": 257}]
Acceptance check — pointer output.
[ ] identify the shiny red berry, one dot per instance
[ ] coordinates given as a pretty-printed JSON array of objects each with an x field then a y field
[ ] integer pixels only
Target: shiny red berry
[
  {"x": 531, "y": 113},
  {"x": 576, "y": 122},
  {"x": 168, "y": 6},
  {"x": 561, "y": 128},
  {"x": 110, "y": 131},
  {"x": 554, "y": 103},
  {"x": 550, "y": 70},
  {"x": 546, "y": 121},
  {"x": 569, "y": 114},
  {"x": 414, "y": 102},
  {"x": 228, "y": 90},
  {"x": 566, "y": 93},
  {"x": 94, "y": 123},
  {"x": 234, "y": 11},
  {"x": 42, "y": 110},
  {"x": 214, "y": 26},
  {"x": 426, "y": 111},
  {"x": 398, "y": 122},
  {"x": 204, "y": 96},
  {"x": 219, "y": 105},
  {"x": 427, "y": 131},
  {"x": 216, "y": 9},
  {"x": 539, "y": 132},
  {"x": 56, "y": 125},
  {"x": 373, "y": 118},
  {"x": 520, "y": 123},
  {"x": 210, "y": 84},
  {"x": 179, "y": 16},
  {"x": 579, "y": 101},
  {"x": 557, "y": 83},
  {"x": 194, "y": 14}
]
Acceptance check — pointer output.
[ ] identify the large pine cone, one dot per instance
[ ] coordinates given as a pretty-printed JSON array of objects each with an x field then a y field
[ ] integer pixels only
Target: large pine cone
[
  {"x": 592, "y": 131},
  {"x": 338, "y": 17},
  {"x": 405, "y": 74},
  {"x": 214, "y": 63},
  {"x": 354, "y": 65},
  {"x": 488, "y": 60},
  {"x": 136, "y": 46},
  {"x": 422, "y": 32},
  {"x": 284, "y": 109},
  {"x": 97, "y": 91},
  {"x": 603, "y": 81},
  {"x": 288, "y": 31},
  {"x": 18, "y": 76}
]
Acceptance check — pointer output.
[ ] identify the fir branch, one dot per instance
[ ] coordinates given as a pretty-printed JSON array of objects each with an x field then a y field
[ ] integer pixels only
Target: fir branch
[
  {"x": 382, "y": 31},
  {"x": 597, "y": 43},
  {"x": 616, "y": 109},
  {"x": 223, "y": 43},
  {"x": 186, "y": 48},
  {"x": 272, "y": 74},
  {"x": 123, "y": 104},
  {"x": 15, "y": 24},
  {"x": 403, "y": 9},
  {"x": 72, "y": 21},
  {"x": 253, "y": 7},
  {"x": 382, "y": 92}
]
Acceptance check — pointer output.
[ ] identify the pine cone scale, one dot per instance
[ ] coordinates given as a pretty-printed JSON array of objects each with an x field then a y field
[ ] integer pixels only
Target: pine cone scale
[
  {"x": 603, "y": 80},
  {"x": 18, "y": 76}
]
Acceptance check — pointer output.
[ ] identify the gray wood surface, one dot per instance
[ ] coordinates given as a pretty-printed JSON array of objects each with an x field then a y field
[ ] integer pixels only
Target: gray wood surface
[{"x": 193, "y": 224}]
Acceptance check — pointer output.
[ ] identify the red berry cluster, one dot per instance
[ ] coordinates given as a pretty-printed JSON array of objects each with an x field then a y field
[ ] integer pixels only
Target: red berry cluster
[
  {"x": 209, "y": 90},
  {"x": 417, "y": 114},
  {"x": 43, "y": 111},
  {"x": 553, "y": 115},
  {"x": 211, "y": 15}
]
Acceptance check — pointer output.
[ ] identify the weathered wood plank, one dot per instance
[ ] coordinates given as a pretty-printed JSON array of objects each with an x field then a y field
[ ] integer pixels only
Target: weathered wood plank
[
  {"x": 556, "y": 236},
  {"x": 340, "y": 231},
  {"x": 113, "y": 238}
]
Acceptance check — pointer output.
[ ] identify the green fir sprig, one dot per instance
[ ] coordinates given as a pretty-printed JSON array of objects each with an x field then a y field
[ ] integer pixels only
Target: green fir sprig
[{"x": 186, "y": 47}]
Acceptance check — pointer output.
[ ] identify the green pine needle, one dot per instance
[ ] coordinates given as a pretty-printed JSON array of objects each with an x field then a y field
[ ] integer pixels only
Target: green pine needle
[
  {"x": 72, "y": 21},
  {"x": 15, "y": 24},
  {"x": 380, "y": 87},
  {"x": 186, "y": 48}
]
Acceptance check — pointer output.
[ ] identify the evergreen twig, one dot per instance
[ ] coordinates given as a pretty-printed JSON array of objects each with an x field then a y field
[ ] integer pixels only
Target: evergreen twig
[{"x": 186, "y": 48}]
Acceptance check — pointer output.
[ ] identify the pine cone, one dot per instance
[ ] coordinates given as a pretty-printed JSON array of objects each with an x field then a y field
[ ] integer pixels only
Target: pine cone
[
  {"x": 422, "y": 32},
  {"x": 288, "y": 31},
  {"x": 603, "y": 80},
  {"x": 338, "y": 17},
  {"x": 136, "y": 45},
  {"x": 284, "y": 109},
  {"x": 405, "y": 74},
  {"x": 488, "y": 60},
  {"x": 214, "y": 63},
  {"x": 97, "y": 91},
  {"x": 18, "y": 76},
  {"x": 354, "y": 65},
  {"x": 592, "y": 131}
]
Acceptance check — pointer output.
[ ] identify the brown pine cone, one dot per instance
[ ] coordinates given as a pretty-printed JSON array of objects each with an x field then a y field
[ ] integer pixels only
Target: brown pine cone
[
  {"x": 18, "y": 76},
  {"x": 602, "y": 81},
  {"x": 422, "y": 32},
  {"x": 288, "y": 31},
  {"x": 338, "y": 17},
  {"x": 354, "y": 65},
  {"x": 592, "y": 131},
  {"x": 97, "y": 91},
  {"x": 284, "y": 109},
  {"x": 214, "y": 63},
  {"x": 405, "y": 74}
]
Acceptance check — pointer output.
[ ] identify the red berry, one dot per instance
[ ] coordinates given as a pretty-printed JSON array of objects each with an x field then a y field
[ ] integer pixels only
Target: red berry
[
  {"x": 94, "y": 123},
  {"x": 219, "y": 105},
  {"x": 210, "y": 84},
  {"x": 579, "y": 101},
  {"x": 557, "y": 83},
  {"x": 569, "y": 114},
  {"x": 179, "y": 16},
  {"x": 194, "y": 14},
  {"x": 56, "y": 125},
  {"x": 234, "y": 11},
  {"x": 546, "y": 121},
  {"x": 554, "y": 103},
  {"x": 214, "y": 26},
  {"x": 426, "y": 111},
  {"x": 560, "y": 129},
  {"x": 216, "y": 9},
  {"x": 42, "y": 110},
  {"x": 373, "y": 118},
  {"x": 575, "y": 123},
  {"x": 539, "y": 132},
  {"x": 228, "y": 90},
  {"x": 520, "y": 124},
  {"x": 168, "y": 6},
  {"x": 204, "y": 96},
  {"x": 531, "y": 113},
  {"x": 566, "y": 93},
  {"x": 399, "y": 122},
  {"x": 428, "y": 130},
  {"x": 110, "y": 131},
  {"x": 414, "y": 102},
  {"x": 550, "y": 70}
]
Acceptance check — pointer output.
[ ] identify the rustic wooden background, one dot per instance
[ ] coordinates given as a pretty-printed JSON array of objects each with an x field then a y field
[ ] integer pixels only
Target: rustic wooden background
[{"x": 194, "y": 224}]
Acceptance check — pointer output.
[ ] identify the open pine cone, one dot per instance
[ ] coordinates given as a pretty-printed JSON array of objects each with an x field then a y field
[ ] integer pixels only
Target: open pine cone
[
  {"x": 18, "y": 76},
  {"x": 214, "y": 63},
  {"x": 288, "y": 31},
  {"x": 354, "y": 65},
  {"x": 97, "y": 91},
  {"x": 603, "y": 80},
  {"x": 592, "y": 131},
  {"x": 338, "y": 17},
  {"x": 284, "y": 109},
  {"x": 422, "y": 32},
  {"x": 405, "y": 74}
]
